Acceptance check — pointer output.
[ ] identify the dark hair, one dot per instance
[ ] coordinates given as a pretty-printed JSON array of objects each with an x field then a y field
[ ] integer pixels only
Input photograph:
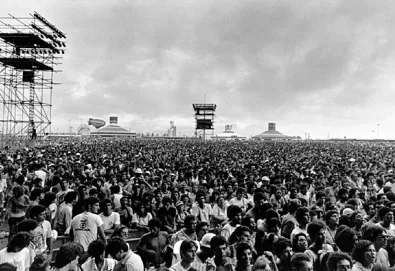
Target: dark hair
[
  {"x": 19, "y": 240},
  {"x": 259, "y": 196},
  {"x": 300, "y": 212},
  {"x": 104, "y": 203},
  {"x": 366, "y": 206},
  {"x": 155, "y": 222},
  {"x": 49, "y": 197},
  {"x": 166, "y": 200},
  {"x": 297, "y": 260},
  {"x": 37, "y": 210},
  {"x": 118, "y": 230},
  {"x": 138, "y": 210},
  {"x": 344, "y": 238},
  {"x": 237, "y": 233},
  {"x": 341, "y": 192},
  {"x": 70, "y": 196},
  {"x": 7, "y": 267},
  {"x": 314, "y": 228},
  {"x": 66, "y": 255},
  {"x": 280, "y": 245},
  {"x": 35, "y": 194},
  {"x": 295, "y": 241},
  {"x": 371, "y": 232},
  {"x": 91, "y": 201},
  {"x": 187, "y": 245},
  {"x": 233, "y": 210},
  {"x": 241, "y": 247},
  {"x": 40, "y": 263},
  {"x": 329, "y": 214},
  {"x": 360, "y": 247},
  {"x": 293, "y": 205},
  {"x": 335, "y": 257},
  {"x": 383, "y": 211},
  {"x": 96, "y": 248},
  {"x": 188, "y": 219},
  {"x": 217, "y": 241},
  {"x": 27, "y": 225},
  {"x": 200, "y": 225},
  {"x": 115, "y": 245},
  {"x": 93, "y": 191}
]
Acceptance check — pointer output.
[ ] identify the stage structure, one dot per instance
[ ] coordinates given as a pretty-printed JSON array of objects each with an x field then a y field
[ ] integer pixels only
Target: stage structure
[
  {"x": 30, "y": 50},
  {"x": 204, "y": 116}
]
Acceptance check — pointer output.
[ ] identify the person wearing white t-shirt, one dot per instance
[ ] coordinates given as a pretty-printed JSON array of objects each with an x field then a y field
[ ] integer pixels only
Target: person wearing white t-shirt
[
  {"x": 16, "y": 252},
  {"x": 239, "y": 200},
  {"x": 111, "y": 220},
  {"x": 42, "y": 235},
  {"x": 88, "y": 226},
  {"x": 127, "y": 259}
]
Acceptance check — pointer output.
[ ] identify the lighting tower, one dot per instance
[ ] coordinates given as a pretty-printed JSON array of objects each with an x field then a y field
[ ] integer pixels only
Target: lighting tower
[
  {"x": 204, "y": 116},
  {"x": 30, "y": 50}
]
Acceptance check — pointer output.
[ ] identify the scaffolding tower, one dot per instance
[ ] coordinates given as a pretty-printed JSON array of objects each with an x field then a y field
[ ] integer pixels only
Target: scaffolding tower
[
  {"x": 204, "y": 116},
  {"x": 30, "y": 50}
]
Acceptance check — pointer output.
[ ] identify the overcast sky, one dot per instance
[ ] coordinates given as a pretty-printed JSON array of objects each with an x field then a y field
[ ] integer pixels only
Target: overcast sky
[{"x": 318, "y": 67}]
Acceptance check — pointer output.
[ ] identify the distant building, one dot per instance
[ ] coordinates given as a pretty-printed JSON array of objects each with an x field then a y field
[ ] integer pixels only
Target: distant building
[
  {"x": 272, "y": 134},
  {"x": 113, "y": 130},
  {"x": 228, "y": 134}
]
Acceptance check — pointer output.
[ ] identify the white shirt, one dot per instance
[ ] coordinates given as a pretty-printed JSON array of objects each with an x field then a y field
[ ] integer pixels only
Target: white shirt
[
  {"x": 227, "y": 231},
  {"x": 85, "y": 228},
  {"x": 42, "y": 175},
  {"x": 90, "y": 265},
  {"x": 40, "y": 235},
  {"x": 19, "y": 259},
  {"x": 3, "y": 185},
  {"x": 109, "y": 221}
]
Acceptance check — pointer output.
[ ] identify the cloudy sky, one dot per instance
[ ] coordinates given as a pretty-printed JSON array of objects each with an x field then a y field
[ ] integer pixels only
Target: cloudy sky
[{"x": 319, "y": 67}]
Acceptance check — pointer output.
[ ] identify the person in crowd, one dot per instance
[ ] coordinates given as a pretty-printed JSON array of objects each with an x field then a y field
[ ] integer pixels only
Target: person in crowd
[
  {"x": 244, "y": 256},
  {"x": 125, "y": 212},
  {"x": 40, "y": 263},
  {"x": 239, "y": 200},
  {"x": 205, "y": 249},
  {"x": 201, "y": 229},
  {"x": 118, "y": 249},
  {"x": 186, "y": 233},
  {"x": 122, "y": 231},
  {"x": 67, "y": 258},
  {"x": 35, "y": 197},
  {"x": 111, "y": 220},
  {"x": 240, "y": 235},
  {"x": 97, "y": 260},
  {"x": 141, "y": 217},
  {"x": 338, "y": 261},
  {"x": 282, "y": 248},
  {"x": 188, "y": 254},
  {"x": 16, "y": 252},
  {"x": 220, "y": 261},
  {"x": 153, "y": 247},
  {"x": 201, "y": 210},
  {"x": 256, "y": 211},
  {"x": 378, "y": 237},
  {"x": 167, "y": 214},
  {"x": 332, "y": 223},
  {"x": 318, "y": 248},
  {"x": 42, "y": 237},
  {"x": 234, "y": 216},
  {"x": 288, "y": 221},
  {"x": 386, "y": 215},
  {"x": 86, "y": 227},
  {"x": 16, "y": 206},
  {"x": 364, "y": 255},
  {"x": 64, "y": 214},
  {"x": 300, "y": 243},
  {"x": 219, "y": 211},
  {"x": 345, "y": 239},
  {"x": 302, "y": 216},
  {"x": 301, "y": 262}
]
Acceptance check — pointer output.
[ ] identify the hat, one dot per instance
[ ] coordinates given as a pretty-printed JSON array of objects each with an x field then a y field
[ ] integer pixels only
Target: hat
[
  {"x": 348, "y": 211},
  {"x": 205, "y": 242},
  {"x": 179, "y": 203},
  {"x": 147, "y": 172},
  {"x": 138, "y": 171},
  {"x": 265, "y": 178}
]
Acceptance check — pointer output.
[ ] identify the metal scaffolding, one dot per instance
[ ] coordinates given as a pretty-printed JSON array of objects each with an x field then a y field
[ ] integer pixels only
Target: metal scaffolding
[
  {"x": 204, "y": 117},
  {"x": 30, "y": 50}
]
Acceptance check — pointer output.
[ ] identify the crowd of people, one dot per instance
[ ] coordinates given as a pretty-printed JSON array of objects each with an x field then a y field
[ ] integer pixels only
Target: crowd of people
[{"x": 215, "y": 206}]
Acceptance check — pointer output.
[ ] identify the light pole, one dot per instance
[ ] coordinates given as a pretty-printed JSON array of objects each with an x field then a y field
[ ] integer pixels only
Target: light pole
[{"x": 378, "y": 130}]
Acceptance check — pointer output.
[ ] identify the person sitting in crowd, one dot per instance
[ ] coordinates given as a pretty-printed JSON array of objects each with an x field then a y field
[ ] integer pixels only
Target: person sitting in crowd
[
  {"x": 127, "y": 259},
  {"x": 111, "y": 220}
]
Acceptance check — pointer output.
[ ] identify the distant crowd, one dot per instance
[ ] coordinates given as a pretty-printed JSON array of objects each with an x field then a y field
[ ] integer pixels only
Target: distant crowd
[{"x": 199, "y": 206}]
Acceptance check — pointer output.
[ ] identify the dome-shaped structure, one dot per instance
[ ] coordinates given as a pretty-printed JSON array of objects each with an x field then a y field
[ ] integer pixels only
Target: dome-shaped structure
[
  {"x": 272, "y": 134},
  {"x": 228, "y": 134},
  {"x": 113, "y": 130}
]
